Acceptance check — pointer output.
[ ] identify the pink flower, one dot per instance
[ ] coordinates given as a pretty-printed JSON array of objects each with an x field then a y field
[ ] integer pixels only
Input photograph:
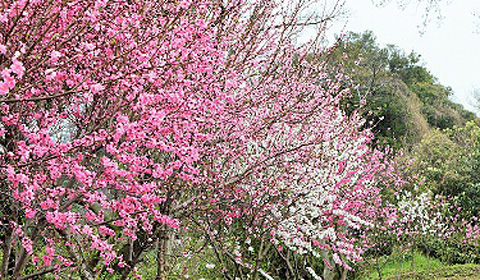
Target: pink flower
[
  {"x": 185, "y": 4},
  {"x": 96, "y": 88},
  {"x": 55, "y": 55},
  {"x": 106, "y": 231},
  {"x": 8, "y": 79},
  {"x": 17, "y": 67},
  {"x": 27, "y": 244},
  {"x": 30, "y": 213},
  {"x": 4, "y": 88}
]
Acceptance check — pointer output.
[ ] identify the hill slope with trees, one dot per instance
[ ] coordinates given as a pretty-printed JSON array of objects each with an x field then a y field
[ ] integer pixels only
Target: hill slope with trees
[{"x": 404, "y": 101}]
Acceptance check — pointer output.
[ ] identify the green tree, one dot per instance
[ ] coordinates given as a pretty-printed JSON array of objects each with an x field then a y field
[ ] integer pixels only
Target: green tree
[{"x": 403, "y": 100}]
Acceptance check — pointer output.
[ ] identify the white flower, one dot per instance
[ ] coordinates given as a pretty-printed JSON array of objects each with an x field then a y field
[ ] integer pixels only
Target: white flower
[
  {"x": 314, "y": 275},
  {"x": 210, "y": 266}
]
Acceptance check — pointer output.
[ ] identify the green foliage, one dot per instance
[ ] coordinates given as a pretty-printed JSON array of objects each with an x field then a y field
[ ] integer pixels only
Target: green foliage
[
  {"x": 430, "y": 93},
  {"x": 469, "y": 198},
  {"x": 403, "y": 99},
  {"x": 449, "y": 160},
  {"x": 436, "y": 158},
  {"x": 390, "y": 118},
  {"x": 450, "y": 251},
  {"x": 406, "y": 67}
]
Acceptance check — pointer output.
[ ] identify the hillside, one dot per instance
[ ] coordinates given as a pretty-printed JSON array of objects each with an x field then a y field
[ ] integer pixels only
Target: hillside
[{"x": 404, "y": 101}]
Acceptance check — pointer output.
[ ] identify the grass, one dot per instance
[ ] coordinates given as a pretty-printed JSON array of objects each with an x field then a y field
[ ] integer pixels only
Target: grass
[
  {"x": 401, "y": 269},
  {"x": 451, "y": 272}
]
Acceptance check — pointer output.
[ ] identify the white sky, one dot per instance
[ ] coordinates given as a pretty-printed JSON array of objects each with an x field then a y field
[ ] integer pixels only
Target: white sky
[{"x": 450, "y": 48}]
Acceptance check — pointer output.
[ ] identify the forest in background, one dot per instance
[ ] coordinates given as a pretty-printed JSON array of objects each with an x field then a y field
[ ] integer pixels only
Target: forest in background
[{"x": 408, "y": 110}]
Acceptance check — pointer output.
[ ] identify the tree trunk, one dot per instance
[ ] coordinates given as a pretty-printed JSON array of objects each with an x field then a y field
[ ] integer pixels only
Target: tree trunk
[
  {"x": 413, "y": 257},
  {"x": 428, "y": 261},
  {"x": 7, "y": 250},
  {"x": 163, "y": 249},
  {"x": 378, "y": 265},
  {"x": 400, "y": 263},
  {"x": 328, "y": 271},
  {"x": 344, "y": 274},
  {"x": 258, "y": 260},
  {"x": 23, "y": 256}
]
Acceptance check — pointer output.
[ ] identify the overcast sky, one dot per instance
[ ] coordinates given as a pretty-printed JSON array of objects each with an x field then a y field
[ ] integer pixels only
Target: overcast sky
[{"x": 450, "y": 48}]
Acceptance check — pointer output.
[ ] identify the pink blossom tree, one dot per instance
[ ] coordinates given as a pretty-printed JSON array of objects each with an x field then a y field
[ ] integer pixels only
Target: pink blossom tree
[{"x": 107, "y": 109}]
